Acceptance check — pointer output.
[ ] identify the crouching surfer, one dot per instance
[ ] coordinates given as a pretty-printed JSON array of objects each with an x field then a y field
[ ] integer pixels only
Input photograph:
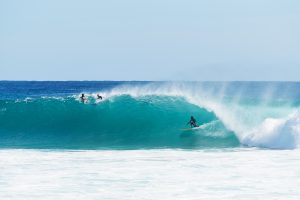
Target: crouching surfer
[{"x": 192, "y": 122}]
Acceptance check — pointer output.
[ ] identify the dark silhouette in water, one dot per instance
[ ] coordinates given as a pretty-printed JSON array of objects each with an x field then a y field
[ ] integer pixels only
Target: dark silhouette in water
[
  {"x": 99, "y": 97},
  {"x": 82, "y": 98},
  {"x": 193, "y": 122}
]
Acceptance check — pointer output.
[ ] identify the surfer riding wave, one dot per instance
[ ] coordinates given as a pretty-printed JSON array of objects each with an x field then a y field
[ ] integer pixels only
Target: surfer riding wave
[{"x": 193, "y": 122}]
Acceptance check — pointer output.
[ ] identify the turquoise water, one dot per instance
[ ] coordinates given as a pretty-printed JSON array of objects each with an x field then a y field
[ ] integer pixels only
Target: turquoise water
[
  {"x": 130, "y": 144},
  {"x": 124, "y": 122},
  {"x": 145, "y": 115}
]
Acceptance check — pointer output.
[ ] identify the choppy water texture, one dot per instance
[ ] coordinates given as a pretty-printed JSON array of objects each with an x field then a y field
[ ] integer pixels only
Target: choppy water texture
[{"x": 147, "y": 115}]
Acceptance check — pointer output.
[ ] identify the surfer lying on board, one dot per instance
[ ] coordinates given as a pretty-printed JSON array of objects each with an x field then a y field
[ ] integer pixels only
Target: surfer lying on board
[{"x": 193, "y": 122}]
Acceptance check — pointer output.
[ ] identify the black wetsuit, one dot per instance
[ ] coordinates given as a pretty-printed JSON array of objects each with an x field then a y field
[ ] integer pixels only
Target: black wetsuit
[{"x": 193, "y": 122}]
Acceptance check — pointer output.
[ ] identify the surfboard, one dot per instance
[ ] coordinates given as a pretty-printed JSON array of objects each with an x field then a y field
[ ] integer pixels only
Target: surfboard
[
  {"x": 191, "y": 129},
  {"x": 202, "y": 126}
]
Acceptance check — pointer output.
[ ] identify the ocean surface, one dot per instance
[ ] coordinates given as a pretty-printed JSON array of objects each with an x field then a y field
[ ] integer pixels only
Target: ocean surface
[{"x": 130, "y": 144}]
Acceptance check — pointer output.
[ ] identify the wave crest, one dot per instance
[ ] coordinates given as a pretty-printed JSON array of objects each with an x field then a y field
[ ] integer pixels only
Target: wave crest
[{"x": 150, "y": 115}]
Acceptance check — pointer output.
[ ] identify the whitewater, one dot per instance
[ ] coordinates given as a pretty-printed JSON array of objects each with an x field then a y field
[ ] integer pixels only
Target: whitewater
[{"x": 130, "y": 145}]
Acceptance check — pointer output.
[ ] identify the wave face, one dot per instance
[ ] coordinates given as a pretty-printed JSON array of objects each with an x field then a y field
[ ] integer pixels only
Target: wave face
[
  {"x": 149, "y": 115},
  {"x": 120, "y": 122}
]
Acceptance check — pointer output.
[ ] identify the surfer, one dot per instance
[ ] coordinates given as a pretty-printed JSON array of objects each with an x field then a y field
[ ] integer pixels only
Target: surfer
[
  {"x": 193, "y": 122},
  {"x": 82, "y": 98},
  {"x": 99, "y": 97}
]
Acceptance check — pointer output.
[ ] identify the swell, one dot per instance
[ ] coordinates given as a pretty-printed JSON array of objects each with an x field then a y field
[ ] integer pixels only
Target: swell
[
  {"x": 150, "y": 115},
  {"x": 122, "y": 121}
]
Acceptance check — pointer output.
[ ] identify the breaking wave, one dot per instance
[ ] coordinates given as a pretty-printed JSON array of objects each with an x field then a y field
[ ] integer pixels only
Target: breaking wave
[{"x": 151, "y": 116}]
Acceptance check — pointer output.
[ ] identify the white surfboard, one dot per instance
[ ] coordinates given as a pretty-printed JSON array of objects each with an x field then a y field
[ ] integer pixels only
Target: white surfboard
[
  {"x": 198, "y": 127},
  {"x": 191, "y": 129}
]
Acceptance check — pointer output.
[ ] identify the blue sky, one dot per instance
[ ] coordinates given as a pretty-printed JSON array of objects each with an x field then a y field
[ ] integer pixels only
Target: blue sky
[{"x": 150, "y": 40}]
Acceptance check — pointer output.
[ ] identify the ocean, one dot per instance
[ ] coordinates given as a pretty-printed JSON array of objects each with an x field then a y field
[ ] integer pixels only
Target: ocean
[{"x": 131, "y": 144}]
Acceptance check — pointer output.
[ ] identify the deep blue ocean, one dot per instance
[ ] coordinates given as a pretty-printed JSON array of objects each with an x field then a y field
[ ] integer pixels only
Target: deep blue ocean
[{"x": 148, "y": 115}]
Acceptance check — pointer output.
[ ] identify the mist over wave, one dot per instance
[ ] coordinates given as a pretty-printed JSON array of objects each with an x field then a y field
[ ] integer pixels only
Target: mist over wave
[
  {"x": 268, "y": 119},
  {"x": 150, "y": 115}
]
